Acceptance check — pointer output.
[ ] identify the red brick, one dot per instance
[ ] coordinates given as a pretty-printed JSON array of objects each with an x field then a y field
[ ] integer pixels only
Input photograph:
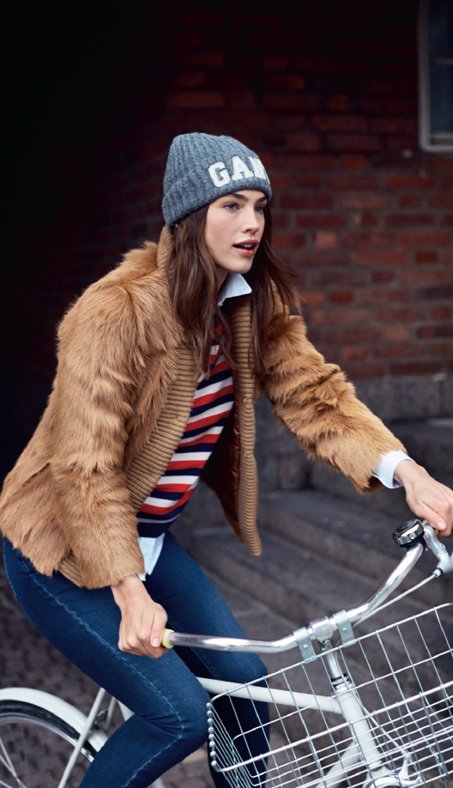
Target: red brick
[
  {"x": 303, "y": 142},
  {"x": 343, "y": 275},
  {"x": 326, "y": 240},
  {"x": 333, "y": 316},
  {"x": 409, "y": 219},
  {"x": 383, "y": 277},
  {"x": 427, "y": 276},
  {"x": 363, "y": 201},
  {"x": 365, "y": 219},
  {"x": 353, "y": 161},
  {"x": 354, "y": 142},
  {"x": 320, "y": 220},
  {"x": 439, "y": 331},
  {"x": 340, "y": 122},
  {"x": 354, "y": 353},
  {"x": 444, "y": 200},
  {"x": 341, "y": 297},
  {"x": 360, "y": 239},
  {"x": 381, "y": 257},
  {"x": 413, "y": 182},
  {"x": 410, "y": 201},
  {"x": 397, "y": 314},
  {"x": 359, "y": 334},
  {"x": 288, "y": 240},
  {"x": 364, "y": 370},
  {"x": 307, "y": 180},
  {"x": 413, "y": 368},
  {"x": 404, "y": 106},
  {"x": 429, "y": 238},
  {"x": 426, "y": 256},
  {"x": 338, "y": 103},
  {"x": 441, "y": 312},
  {"x": 286, "y": 82},
  {"x": 398, "y": 350},
  {"x": 368, "y": 105},
  {"x": 296, "y": 202},
  {"x": 393, "y": 125},
  {"x": 384, "y": 296},
  {"x": 352, "y": 183},
  {"x": 301, "y": 101},
  {"x": 312, "y": 162},
  {"x": 397, "y": 333},
  {"x": 190, "y": 79}
]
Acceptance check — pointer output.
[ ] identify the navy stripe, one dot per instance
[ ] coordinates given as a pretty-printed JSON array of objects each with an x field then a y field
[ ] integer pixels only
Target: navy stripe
[
  {"x": 208, "y": 405},
  {"x": 165, "y": 495},
  {"x": 216, "y": 377},
  {"x": 180, "y": 472},
  {"x": 152, "y": 531},
  {"x": 196, "y": 448},
  {"x": 164, "y": 517}
]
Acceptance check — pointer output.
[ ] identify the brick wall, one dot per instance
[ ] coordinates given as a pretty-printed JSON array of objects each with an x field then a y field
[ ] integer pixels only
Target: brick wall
[{"x": 325, "y": 92}]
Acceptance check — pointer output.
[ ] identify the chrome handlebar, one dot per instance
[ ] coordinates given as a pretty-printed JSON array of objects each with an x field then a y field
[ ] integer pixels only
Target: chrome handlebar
[{"x": 415, "y": 535}]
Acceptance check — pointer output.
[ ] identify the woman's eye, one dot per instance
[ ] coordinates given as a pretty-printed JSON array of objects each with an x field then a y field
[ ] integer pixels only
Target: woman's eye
[{"x": 230, "y": 206}]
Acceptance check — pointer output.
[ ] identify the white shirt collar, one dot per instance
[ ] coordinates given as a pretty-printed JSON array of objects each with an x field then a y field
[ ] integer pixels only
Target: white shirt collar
[{"x": 233, "y": 286}]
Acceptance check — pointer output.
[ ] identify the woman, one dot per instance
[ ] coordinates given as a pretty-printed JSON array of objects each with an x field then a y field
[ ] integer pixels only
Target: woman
[{"x": 159, "y": 365}]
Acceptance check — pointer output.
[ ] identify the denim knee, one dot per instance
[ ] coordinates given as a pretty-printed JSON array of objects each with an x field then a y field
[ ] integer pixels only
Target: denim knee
[{"x": 185, "y": 719}]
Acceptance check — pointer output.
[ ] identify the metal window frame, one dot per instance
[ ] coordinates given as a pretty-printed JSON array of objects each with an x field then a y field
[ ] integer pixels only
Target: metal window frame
[{"x": 425, "y": 137}]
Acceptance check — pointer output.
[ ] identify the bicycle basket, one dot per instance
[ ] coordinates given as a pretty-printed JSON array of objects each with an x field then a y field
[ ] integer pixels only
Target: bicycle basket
[{"x": 395, "y": 688}]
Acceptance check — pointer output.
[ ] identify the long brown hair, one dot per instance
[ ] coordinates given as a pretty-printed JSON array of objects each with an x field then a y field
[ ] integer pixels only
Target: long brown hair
[{"x": 194, "y": 291}]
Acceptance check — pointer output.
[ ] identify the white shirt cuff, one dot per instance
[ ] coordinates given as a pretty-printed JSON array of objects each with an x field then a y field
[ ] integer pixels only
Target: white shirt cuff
[{"x": 386, "y": 468}]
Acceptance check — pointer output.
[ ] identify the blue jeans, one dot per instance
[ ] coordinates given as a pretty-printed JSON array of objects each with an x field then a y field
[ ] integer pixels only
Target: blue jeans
[{"x": 168, "y": 702}]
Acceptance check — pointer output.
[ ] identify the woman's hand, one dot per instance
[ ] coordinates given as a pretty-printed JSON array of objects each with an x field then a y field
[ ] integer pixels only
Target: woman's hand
[
  {"x": 427, "y": 498},
  {"x": 142, "y": 620}
]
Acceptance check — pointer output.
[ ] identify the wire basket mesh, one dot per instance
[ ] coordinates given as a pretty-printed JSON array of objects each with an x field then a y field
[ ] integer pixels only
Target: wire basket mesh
[{"x": 395, "y": 688}]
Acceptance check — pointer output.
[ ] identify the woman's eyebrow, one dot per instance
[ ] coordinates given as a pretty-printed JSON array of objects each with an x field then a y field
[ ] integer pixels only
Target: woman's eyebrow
[{"x": 242, "y": 197}]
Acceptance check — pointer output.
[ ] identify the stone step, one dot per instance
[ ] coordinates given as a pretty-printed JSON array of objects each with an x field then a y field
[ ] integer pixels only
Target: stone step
[{"x": 348, "y": 534}]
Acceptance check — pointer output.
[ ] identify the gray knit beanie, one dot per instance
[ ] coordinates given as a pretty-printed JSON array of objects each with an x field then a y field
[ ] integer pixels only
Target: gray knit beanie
[{"x": 202, "y": 167}]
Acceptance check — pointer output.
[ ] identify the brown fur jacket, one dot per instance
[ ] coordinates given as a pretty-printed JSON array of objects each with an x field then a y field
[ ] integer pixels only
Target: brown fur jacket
[{"x": 119, "y": 404}]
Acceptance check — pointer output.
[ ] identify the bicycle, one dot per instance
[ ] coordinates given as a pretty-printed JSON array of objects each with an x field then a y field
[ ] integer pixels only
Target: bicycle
[{"x": 334, "y": 721}]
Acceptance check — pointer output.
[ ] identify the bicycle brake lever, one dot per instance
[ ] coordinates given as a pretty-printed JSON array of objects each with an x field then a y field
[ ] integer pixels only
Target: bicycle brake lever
[
  {"x": 444, "y": 561},
  {"x": 416, "y": 530}
]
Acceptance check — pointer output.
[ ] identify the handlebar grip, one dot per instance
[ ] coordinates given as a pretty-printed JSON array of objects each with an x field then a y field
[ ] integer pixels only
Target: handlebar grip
[{"x": 166, "y": 642}]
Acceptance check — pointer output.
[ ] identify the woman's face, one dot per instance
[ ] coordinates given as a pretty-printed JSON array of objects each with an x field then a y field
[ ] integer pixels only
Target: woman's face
[{"x": 234, "y": 228}]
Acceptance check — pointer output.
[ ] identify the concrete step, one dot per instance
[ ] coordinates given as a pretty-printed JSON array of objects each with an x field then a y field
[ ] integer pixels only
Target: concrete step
[{"x": 348, "y": 534}]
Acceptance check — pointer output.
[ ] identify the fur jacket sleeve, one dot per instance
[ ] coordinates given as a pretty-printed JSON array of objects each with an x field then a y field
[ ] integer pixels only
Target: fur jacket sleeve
[
  {"x": 314, "y": 399},
  {"x": 99, "y": 360}
]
